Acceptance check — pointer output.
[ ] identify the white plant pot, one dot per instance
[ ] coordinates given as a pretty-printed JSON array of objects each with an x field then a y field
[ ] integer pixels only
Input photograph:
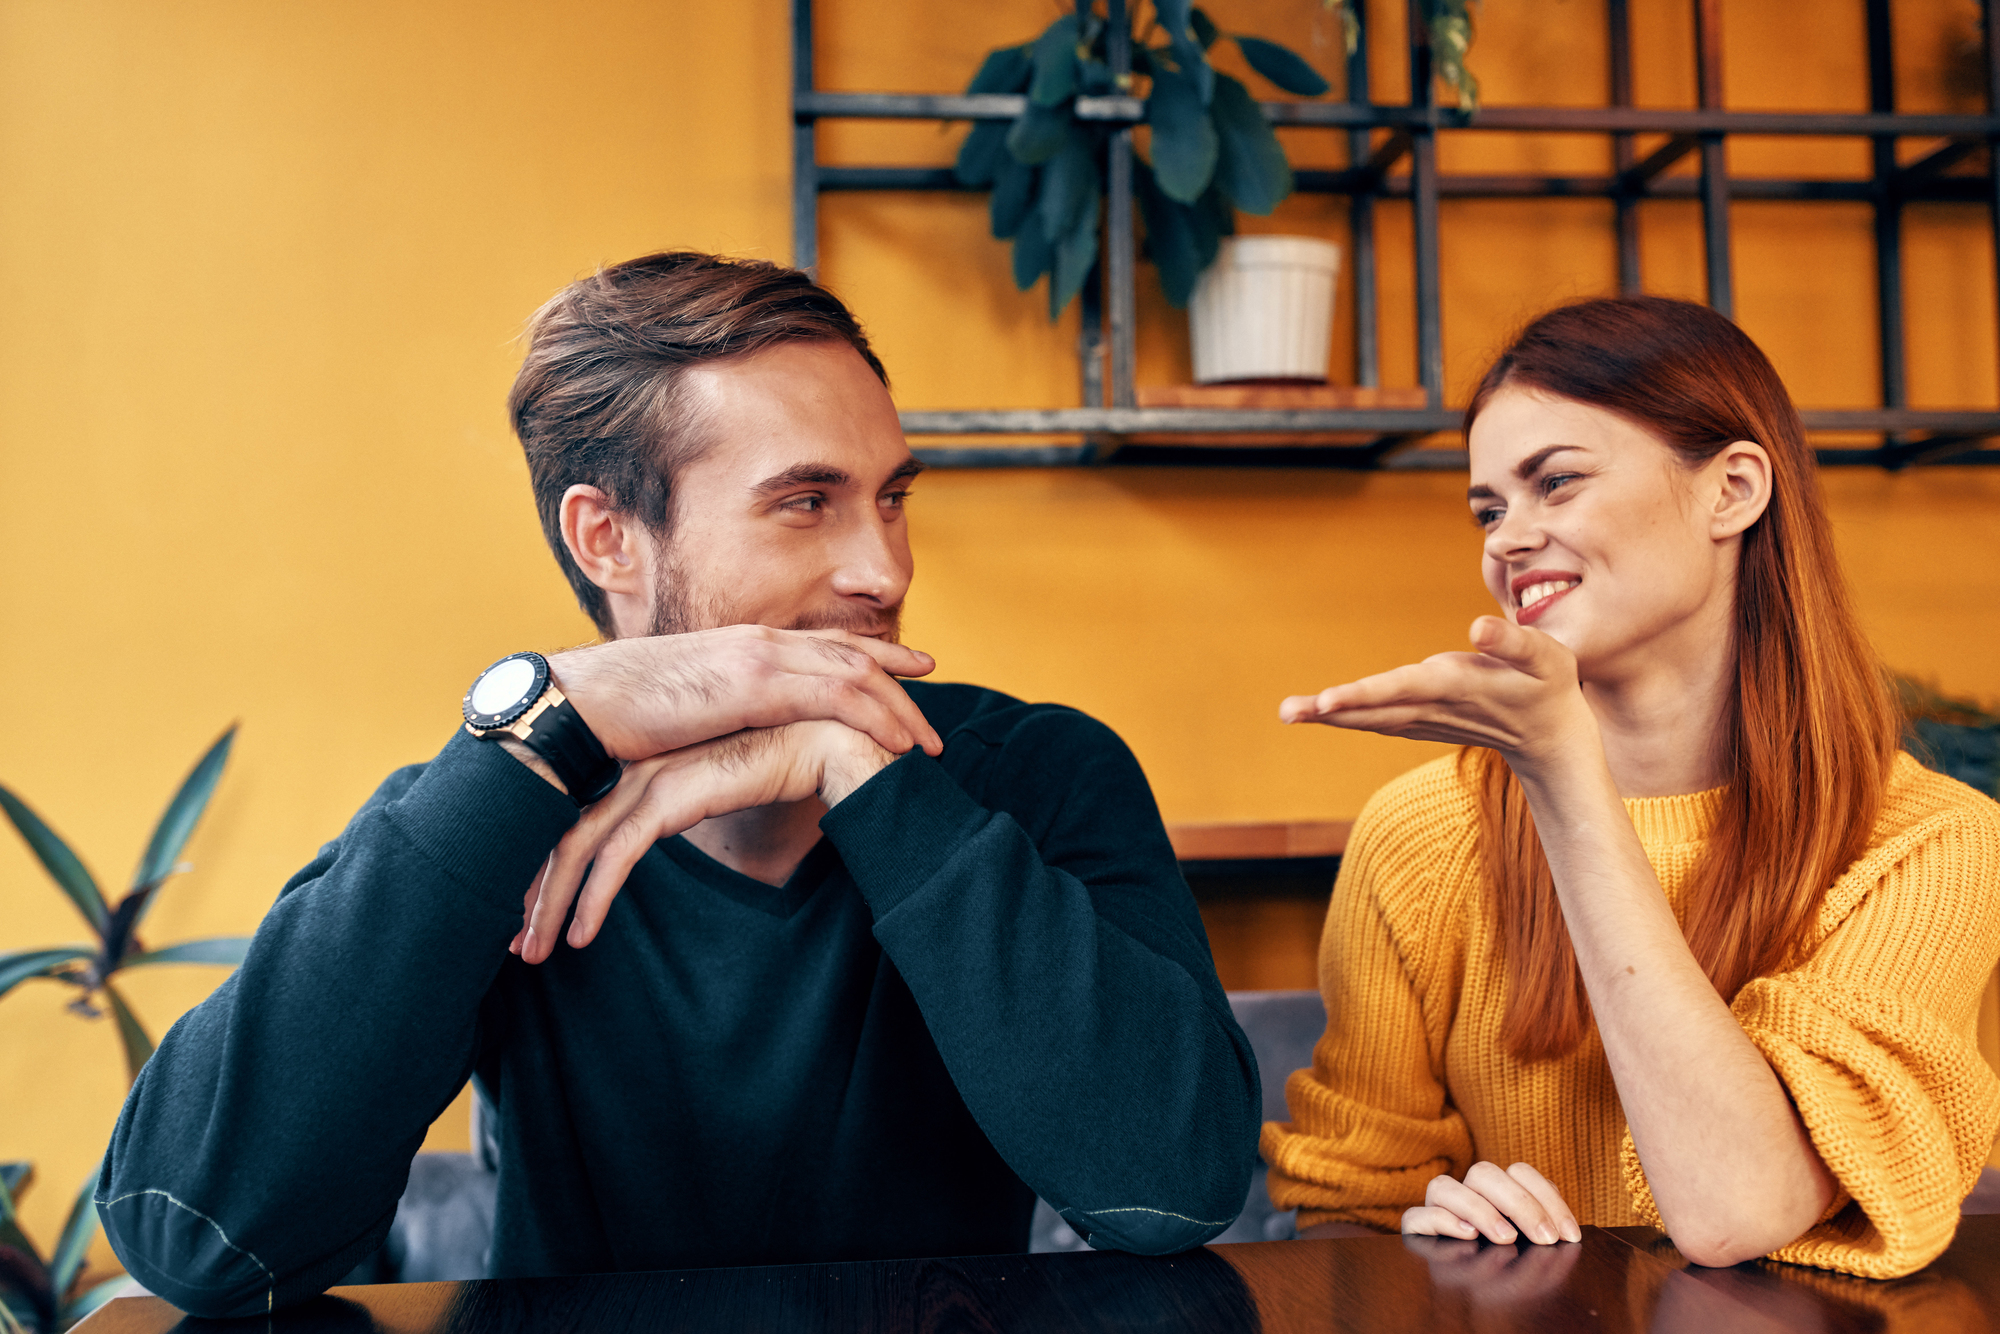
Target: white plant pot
[{"x": 1264, "y": 310}]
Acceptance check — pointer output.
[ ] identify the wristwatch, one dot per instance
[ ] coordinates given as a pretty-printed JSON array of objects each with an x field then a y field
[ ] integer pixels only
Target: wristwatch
[{"x": 516, "y": 695}]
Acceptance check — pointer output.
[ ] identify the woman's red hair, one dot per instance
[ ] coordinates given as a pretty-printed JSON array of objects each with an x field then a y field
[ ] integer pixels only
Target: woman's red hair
[{"x": 1812, "y": 733}]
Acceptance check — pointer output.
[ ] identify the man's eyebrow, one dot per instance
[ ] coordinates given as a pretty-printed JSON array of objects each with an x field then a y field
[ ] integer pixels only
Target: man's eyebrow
[
  {"x": 907, "y": 469},
  {"x": 803, "y": 474},
  {"x": 1525, "y": 469}
]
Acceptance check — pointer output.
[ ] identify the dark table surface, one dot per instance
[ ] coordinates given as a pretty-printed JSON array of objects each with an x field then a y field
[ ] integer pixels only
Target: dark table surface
[{"x": 1615, "y": 1279}]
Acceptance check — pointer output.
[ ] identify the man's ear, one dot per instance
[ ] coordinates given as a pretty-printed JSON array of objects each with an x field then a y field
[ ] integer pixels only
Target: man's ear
[
  {"x": 610, "y": 546},
  {"x": 1741, "y": 474}
]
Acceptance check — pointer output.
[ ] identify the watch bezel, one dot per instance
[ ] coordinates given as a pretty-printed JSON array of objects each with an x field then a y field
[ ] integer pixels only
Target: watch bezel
[{"x": 486, "y": 722}]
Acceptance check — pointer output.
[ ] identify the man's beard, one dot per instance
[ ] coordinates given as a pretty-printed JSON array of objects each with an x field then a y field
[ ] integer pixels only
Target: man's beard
[{"x": 678, "y": 609}]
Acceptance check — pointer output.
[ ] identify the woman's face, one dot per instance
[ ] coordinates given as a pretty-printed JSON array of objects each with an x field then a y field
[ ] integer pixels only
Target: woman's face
[{"x": 1598, "y": 535}]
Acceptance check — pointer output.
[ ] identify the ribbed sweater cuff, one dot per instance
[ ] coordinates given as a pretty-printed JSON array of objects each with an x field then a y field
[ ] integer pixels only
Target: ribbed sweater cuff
[
  {"x": 482, "y": 817},
  {"x": 898, "y": 829}
]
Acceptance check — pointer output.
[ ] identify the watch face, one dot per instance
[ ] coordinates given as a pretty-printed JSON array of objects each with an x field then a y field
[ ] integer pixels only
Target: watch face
[{"x": 504, "y": 691}]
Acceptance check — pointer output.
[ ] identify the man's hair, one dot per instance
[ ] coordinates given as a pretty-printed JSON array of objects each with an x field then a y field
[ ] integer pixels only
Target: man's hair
[{"x": 597, "y": 400}]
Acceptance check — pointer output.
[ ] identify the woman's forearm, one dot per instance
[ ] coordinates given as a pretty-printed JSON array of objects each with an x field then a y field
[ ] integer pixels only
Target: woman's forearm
[{"x": 1729, "y": 1162}]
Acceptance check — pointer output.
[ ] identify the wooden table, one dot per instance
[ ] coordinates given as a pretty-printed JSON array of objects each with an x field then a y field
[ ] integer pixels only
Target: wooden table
[{"x": 1616, "y": 1279}]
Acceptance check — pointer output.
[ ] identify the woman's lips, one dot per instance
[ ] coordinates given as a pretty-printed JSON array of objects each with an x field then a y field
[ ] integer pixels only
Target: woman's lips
[{"x": 1529, "y": 615}]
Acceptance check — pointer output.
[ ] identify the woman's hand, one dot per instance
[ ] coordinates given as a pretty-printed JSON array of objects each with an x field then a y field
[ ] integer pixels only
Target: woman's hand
[
  {"x": 1496, "y": 1204},
  {"x": 1518, "y": 694}
]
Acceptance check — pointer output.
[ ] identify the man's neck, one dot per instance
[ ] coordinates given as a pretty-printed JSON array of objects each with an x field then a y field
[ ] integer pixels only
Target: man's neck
[{"x": 766, "y": 843}]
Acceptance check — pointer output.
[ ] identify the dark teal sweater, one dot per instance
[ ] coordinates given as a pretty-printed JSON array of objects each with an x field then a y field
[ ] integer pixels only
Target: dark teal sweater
[{"x": 987, "y": 982}]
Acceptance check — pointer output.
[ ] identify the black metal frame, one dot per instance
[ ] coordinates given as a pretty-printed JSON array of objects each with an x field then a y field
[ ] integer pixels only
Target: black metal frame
[{"x": 1108, "y": 415}]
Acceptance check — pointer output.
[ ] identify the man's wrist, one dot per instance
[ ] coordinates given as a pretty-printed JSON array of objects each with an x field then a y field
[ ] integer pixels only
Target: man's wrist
[
  {"x": 850, "y": 764},
  {"x": 518, "y": 748}
]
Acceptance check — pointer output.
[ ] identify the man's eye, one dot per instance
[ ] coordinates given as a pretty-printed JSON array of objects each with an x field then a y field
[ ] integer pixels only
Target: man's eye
[
  {"x": 809, "y": 504},
  {"x": 895, "y": 498}
]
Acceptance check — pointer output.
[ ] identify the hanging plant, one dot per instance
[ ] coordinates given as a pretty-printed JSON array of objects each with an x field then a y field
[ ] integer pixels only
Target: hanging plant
[
  {"x": 1212, "y": 151},
  {"x": 1448, "y": 29}
]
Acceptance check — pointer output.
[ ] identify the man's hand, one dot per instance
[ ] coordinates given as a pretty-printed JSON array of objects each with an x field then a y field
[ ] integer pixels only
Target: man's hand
[
  {"x": 647, "y": 696},
  {"x": 1495, "y": 1203},
  {"x": 668, "y": 794}
]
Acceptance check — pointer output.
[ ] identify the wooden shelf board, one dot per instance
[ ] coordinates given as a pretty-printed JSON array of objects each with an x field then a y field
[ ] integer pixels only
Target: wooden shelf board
[
  {"x": 1259, "y": 842},
  {"x": 1280, "y": 396}
]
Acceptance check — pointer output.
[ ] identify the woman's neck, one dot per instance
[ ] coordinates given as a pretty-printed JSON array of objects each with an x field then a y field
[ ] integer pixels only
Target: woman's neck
[{"x": 1664, "y": 718}]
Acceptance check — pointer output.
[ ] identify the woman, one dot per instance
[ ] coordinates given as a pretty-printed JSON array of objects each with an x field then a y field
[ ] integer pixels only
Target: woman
[{"x": 1681, "y": 934}]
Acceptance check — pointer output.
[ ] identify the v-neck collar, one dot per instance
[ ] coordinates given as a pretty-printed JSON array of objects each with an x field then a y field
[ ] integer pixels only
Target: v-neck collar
[{"x": 777, "y": 900}]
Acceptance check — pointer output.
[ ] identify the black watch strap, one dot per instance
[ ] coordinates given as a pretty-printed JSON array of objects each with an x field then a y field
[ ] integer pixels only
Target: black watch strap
[{"x": 560, "y": 735}]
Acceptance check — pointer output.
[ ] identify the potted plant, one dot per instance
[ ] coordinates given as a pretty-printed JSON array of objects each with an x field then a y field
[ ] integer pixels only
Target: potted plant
[
  {"x": 47, "y": 1295},
  {"x": 1212, "y": 151},
  {"x": 115, "y": 947}
]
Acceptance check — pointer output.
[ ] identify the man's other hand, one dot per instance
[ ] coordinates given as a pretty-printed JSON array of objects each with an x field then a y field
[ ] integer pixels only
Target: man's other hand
[
  {"x": 646, "y": 696},
  {"x": 668, "y": 794}
]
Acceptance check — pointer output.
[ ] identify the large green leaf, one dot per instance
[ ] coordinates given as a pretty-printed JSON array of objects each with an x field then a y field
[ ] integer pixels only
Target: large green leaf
[
  {"x": 216, "y": 949},
  {"x": 1013, "y": 195},
  {"x": 60, "y": 862},
  {"x": 1038, "y": 134},
  {"x": 1069, "y": 181},
  {"x": 163, "y": 851},
  {"x": 1033, "y": 255},
  {"x": 1076, "y": 255},
  {"x": 1032, "y": 252},
  {"x": 1251, "y": 167},
  {"x": 1184, "y": 139},
  {"x": 1282, "y": 67},
  {"x": 13, "y": 1176},
  {"x": 982, "y": 153},
  {"x": 1004, "y": 71},
  {"x": 66, "y": 1261},
  {"x": 1204, "y": 27},
  {"x": 138, "y": 1046},
  {"x": 1055, "y": 63},
  {"x": 17, "y": 966}
]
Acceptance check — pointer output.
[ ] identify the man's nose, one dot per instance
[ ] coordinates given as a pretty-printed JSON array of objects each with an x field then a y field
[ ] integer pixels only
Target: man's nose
[{"x": 870, "y": 562}]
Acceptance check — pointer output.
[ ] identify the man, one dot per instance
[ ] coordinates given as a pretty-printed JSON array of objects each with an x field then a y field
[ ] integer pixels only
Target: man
[{"x": 855, "y": 972}]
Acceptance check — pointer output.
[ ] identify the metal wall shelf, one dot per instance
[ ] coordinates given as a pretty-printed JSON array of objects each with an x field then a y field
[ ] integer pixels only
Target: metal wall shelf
[{"x": 1108, "y": 419}]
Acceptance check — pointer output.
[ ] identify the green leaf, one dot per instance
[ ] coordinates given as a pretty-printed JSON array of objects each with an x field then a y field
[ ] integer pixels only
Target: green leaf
[
  {"x": 1251, "y": 168},
  {"x": 1282, "y": 67},
  {"x": 163, "y": 852},
  {"x": 982, "y": 153},
  {"x": 1004, "y": 71},
  {"x": 1076, "y": 256},
  {"x": 1169, "y": 238},
  {"x": 17, "y": 966},
  {"x": 1068, "y": 180},
  {"x": 1055, "y": 63},
  {"x": 138, "y": 1047},
  {"x": 1451, "y": 39},
  {"x": 1204, "y": 27},
  {"x": 95, "y": 1296},
  {"x": 13, "y": 1176},
  {"x": 1013, "y": 195},
  {"x": 59, "y": 861},
  {"x": 1184, "y": 139},
  {"x": 1177, "y": 21},
  {"x": 66, "y": 1261},
  {"x": 1037, "y": 135},
  {"x": 216, "y": 949},
  {"x": 1032, "y": 252}
]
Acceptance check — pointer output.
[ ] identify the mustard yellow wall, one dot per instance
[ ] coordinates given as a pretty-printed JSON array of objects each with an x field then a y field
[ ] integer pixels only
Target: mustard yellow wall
[{"x": 260, "y": 270}]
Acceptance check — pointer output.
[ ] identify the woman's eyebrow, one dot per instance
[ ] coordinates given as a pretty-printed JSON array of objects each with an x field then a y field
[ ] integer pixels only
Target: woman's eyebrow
[{"x": 1525, "y": 469}]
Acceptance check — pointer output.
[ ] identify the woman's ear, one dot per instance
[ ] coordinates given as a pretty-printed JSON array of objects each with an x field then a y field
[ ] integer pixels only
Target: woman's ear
[
  {"x": 1741, "y": 475},
  {"x": 609, "y": 545}
]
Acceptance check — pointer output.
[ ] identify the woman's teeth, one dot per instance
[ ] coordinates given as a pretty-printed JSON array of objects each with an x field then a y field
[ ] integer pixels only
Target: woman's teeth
[{"x": 1534, "y": 593}]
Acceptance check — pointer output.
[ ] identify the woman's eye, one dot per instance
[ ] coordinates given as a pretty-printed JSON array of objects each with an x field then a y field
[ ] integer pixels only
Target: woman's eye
[
  {"x": 1486, "y": 518},
  {"x": 1554, "y": 480}
]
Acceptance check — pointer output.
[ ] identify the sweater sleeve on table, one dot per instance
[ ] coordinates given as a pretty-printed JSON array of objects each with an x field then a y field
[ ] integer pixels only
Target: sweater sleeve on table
[
  {"x": 1371, "y": 1122},
  {"x": 1875, "y": 1038},
  {"x": 1061, "y": 966},
  {"x": 263, "y": 1148}
]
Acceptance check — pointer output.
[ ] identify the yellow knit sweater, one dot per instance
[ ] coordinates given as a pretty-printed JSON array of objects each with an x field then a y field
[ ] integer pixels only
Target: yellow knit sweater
[{"x": 1874, "y": 1034}]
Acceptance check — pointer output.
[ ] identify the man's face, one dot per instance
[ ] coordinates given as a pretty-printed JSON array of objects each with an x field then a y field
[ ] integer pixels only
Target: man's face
[{"x": 793, "y": 515}]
